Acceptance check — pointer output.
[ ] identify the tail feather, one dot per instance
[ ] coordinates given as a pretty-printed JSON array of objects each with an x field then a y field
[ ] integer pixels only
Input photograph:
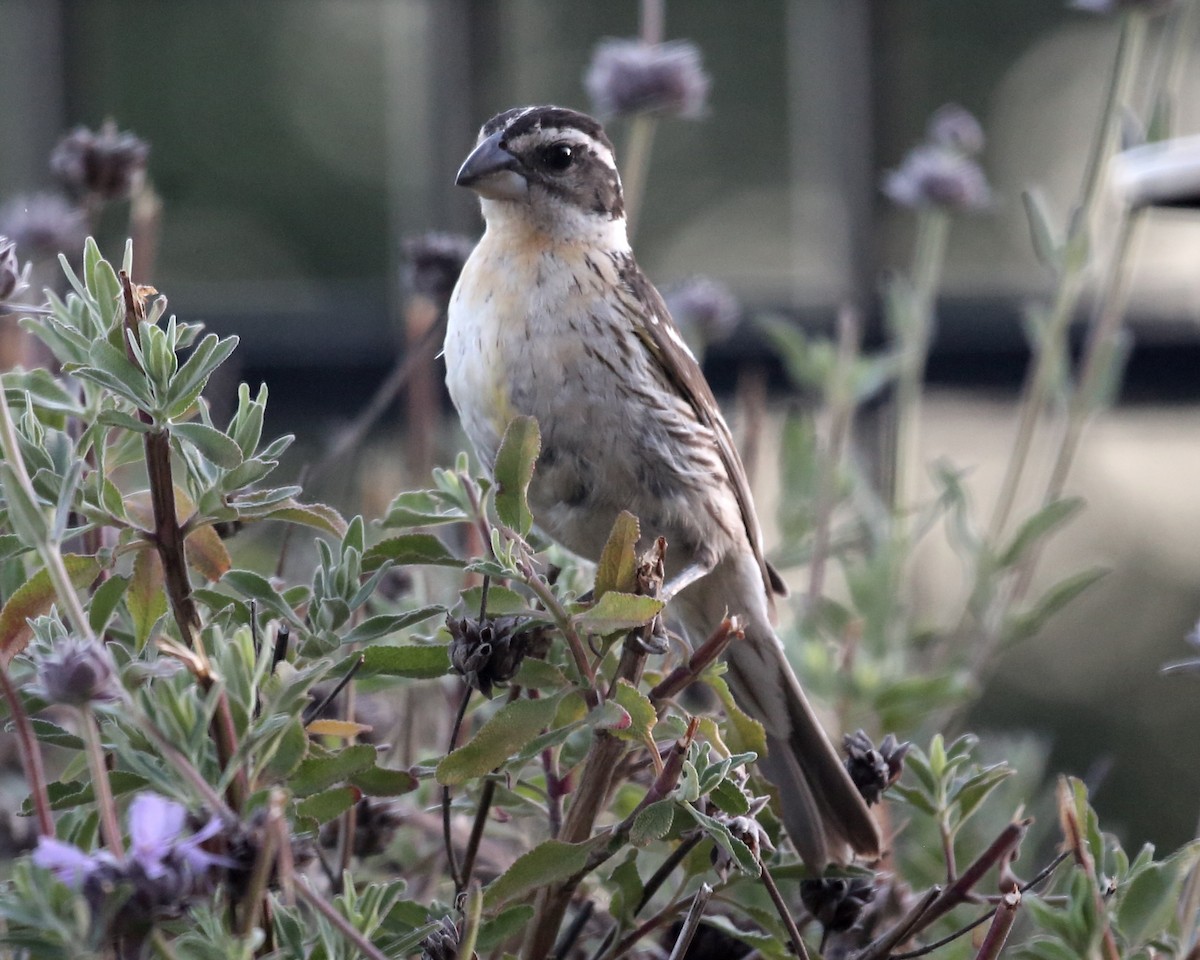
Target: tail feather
[{"x": 823, "y": 811}]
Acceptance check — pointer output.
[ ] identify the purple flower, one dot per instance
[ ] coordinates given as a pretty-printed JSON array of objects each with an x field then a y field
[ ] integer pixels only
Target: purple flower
[
  {"x": 629, "y": 76},
  {"x": 936, "y": 176},
  {"x": 164, "y": 871},
  {"x": 703, "y": 307},
  {"x": 67, "y": 862}
]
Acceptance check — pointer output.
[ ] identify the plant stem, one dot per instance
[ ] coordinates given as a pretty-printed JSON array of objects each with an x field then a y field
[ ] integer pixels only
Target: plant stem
[
  {"x": 47, "y": 550},
  {"x": 781, "y": 907},
  {"x": 691, "y": 922},
  {"x": 1052, "y": 349},
  {"x": 344, "y": 927},
  {"x": 1002, "y": 923},
  {"x": 31, "y": 755},
  {"x": 636, "y": 166},
  {"x": 840, "y": 399},
  {"x": 447, "y": 837},
  {"x": 929, "y": 255},
  {"x": 105, "y": 805}
]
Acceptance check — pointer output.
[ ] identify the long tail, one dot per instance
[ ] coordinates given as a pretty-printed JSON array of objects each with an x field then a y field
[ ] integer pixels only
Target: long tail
[{"x": 823, "y": 811}]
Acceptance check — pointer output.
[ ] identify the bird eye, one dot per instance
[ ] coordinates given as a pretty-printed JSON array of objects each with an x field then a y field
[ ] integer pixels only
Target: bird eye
[{"x": 558, "y": 156}]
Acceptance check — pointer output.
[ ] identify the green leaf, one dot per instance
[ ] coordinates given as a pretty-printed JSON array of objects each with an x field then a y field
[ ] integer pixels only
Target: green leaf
[
  {"x": 11, "y": 546},
  {"x": 507, "y": 924},
  {"x": 513, "y": 471},
  {"x": 422, "y": 508},
  {"x": 729, "y": 798},
  {"x": 380, "y": 626},
  {"x": 75, "y": 793},
  {"x": 1038, "y": 527},
  {"x": 34, "y": 598},
  {"x": 145, "y": 599},
  {"x": 501, "y": 601},
  {"x": 410, "y": 548},
  {"x": 104, "y": 602},
  {"x": 416, "y": 662},
  {"x": 254, "y": 586},
  {"x": 328, "y": 804},
  {"x": 53, "y": 734},
  {"x": 510, "y": 729},
  {"x": 291, "y": 749},
  {"x": 641, "y": 712},
  {"x": 617, "y": 569},
  {"x": 615, "y": 612},
  {"x": 213, "y": 445},
  {"x": 975, "y": 790},
  {"x": 740, "y": 853},
  {"x": 743, "y": 732},
  {"x": 1046, "y": 246},
  {"x": 1058, "y": 596},
  {"x": 385, "y": 782},
  {"x": 109, "y": 366},
  {"x": 187, "y": 384},
  {"x": 319, "y": 516},
  {"x": 318, "y": 773},
  {"x": 1149, "y": 901},
  {"x": 914, "y": 798},
  {"x": 548, "y": 862},
  {"x": 653, "y": 823}
]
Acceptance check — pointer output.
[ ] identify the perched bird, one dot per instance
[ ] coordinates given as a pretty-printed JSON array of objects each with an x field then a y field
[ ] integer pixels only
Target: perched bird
[{"x": 552, "y": 318}]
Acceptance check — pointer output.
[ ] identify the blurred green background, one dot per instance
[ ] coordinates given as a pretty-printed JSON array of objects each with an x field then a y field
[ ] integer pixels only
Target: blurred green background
[{"x": 296, "y": 143}]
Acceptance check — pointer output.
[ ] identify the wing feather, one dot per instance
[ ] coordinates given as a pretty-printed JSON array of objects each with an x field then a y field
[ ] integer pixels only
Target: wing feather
[{"x": 662, "y": 338}]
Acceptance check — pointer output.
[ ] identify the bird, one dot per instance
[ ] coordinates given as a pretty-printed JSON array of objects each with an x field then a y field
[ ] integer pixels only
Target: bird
[{"x": 552, "y": 318}]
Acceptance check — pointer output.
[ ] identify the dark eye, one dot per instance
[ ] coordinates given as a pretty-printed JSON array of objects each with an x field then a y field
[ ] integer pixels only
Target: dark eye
[{"x": 558, "y": 156}]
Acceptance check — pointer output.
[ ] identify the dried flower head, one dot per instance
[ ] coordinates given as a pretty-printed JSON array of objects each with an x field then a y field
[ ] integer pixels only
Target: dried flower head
[
  {"x": 955, "y": 127},
  {"x": 934, "y": 175},
  {"x": 744, "y": 827},
  {"x": 874, "y": 769},
  {"x": 375, "y": 825},
  {"x": 44, "y": 225},
  {"x": 703, "y": 308},
  {"x": 837, "y": 902},
  {"x": 11, "y": 275},
  {"x": 77, "y": 672},
  {"x": 433, "y": 263},
  {"x": 108, "y": 164},
  {"x": 489, "y": 651},
  {"x": 628, "y": 76}
]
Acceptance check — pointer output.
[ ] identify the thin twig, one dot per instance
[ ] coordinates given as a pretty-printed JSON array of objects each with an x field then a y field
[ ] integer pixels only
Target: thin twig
[
  {"x": 882, "y": 945},
  {"x": 1006, "y": 913},
  {"x": 31, "y": 755},
  {"x": 344, "y": 927},
  {"x": 451, "y": 861},
  {"x": 667, "y": 867},
  {"x": 781, "y": 907},
  {"x": 691, "y": 922},
  {"x": 414, "y": 357},
  {"x": 105, "y": 805}
]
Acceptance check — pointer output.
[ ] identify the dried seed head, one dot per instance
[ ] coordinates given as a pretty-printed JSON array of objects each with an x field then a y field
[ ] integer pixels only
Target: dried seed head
[
  {"x": 442, "y": 944},
  {"x": 837, "y": 902},
  {"x": 433, "y": 262},
  {"x": 77, "y": 672},
  {"x": 108, "y": 164},
  {"x": 44, "y": 225},
  {"x": 703, "y": 307},
  {"x": 489, "y": 651},
  {"x": 873, "y": 769},
  {"x": 628, "y": 76},
  {"x": 375, "y": 825}
]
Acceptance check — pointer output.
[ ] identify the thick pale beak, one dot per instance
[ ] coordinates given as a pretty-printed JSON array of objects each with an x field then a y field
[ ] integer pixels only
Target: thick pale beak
[{"x": 492, "y": 172}]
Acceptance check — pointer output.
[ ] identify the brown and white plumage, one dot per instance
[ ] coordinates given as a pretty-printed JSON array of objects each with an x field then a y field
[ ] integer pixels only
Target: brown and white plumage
[{"x": 553, "y": 318}]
